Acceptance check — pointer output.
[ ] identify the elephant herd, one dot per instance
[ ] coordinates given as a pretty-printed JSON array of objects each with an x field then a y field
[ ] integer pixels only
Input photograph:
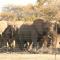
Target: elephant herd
[{"x": 28, "y": 37}]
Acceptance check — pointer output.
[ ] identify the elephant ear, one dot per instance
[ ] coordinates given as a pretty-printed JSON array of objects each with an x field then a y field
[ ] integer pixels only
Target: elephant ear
[{"x": 38, "y": 26}]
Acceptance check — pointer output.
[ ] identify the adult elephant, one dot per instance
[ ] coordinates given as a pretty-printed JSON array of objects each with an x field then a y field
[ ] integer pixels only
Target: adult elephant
[
  {"x": 8, "y": 37},
  {"x": 35, "y": 34}
]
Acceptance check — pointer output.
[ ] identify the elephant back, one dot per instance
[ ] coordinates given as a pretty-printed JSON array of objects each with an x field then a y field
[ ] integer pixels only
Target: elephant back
[{"x": 40, "y": 26}]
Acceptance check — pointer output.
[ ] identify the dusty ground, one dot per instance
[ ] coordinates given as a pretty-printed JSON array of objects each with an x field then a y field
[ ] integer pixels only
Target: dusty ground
[{"x": 17, "y": 56}]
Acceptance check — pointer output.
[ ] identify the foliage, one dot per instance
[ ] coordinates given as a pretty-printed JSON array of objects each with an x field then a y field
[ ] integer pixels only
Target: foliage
[
  {"x": 30, "y": 13},
  {"x": 41, "y": 2}
]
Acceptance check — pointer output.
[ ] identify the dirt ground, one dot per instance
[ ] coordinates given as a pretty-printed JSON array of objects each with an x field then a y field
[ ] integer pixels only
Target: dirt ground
[{"x": 17, "y": 56}]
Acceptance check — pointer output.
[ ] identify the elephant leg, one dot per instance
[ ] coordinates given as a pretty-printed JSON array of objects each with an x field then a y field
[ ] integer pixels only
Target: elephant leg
[
  {"x": 9, "y": 43},
  {"x": 29, "y": 47},
  {"x": 4, "y": 42},
  {"x": 41, "y": 42},
  {"x": 21, "y": 45},
  {"x": 34, "y": 39},
  {"x": 13, "y": 44}
]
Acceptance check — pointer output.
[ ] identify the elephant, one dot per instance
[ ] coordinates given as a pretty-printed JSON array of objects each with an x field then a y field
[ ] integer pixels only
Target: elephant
[
  {"x": 8, "y": 36},
  {"x": 32, "y": 34},
  {"x": 35, "y": 35}
]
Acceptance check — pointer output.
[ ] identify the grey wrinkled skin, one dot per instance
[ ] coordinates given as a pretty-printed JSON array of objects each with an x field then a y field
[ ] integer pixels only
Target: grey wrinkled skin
[{"x": 33, "y": 33}]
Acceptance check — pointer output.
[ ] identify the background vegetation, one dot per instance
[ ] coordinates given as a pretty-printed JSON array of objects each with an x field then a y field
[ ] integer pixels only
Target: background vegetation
[{"x": 44, "y": 9}]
